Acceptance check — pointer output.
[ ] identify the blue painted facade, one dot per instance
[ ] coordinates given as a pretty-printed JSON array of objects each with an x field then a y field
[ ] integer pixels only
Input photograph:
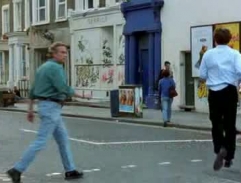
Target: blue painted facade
[{"x": 143, "y": 20}]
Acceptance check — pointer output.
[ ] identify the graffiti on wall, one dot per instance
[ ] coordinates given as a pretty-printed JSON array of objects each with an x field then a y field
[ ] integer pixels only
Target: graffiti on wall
[
  {"x": 121, "y": 56},
  {"x": 120, "y": 75},
  {"x": 106, "y": 53},
  {"x": 86, "y": 75},
  {"x": 108, "y": 76},
  {"x": 84, "y": 54}
]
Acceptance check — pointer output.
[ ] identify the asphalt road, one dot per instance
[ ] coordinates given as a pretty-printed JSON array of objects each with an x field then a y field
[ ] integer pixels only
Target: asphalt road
[{"x": 122, "y": 153}]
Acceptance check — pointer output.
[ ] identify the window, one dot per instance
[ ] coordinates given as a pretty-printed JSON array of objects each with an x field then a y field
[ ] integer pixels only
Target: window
[
  {"x": 61, "y": 9},
  {"x": 1, "y": 69},
  {"x": 26, "y": 14},
  {"x": 102, "y": 3},
  {"x": 5, "y": 19},
  {"x": 40, "y": 11},
  {"x": 88, "y": 4},
  {"x": 24, "y": 72},
  {"x": 17, "y": 6}
]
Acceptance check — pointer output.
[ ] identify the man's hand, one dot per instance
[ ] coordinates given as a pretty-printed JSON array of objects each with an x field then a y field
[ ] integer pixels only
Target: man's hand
[{"x": 30, "y": 116}]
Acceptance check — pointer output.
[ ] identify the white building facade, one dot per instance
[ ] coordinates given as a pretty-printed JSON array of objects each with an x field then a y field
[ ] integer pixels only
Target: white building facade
[
  {"x": 177, "y": 19},
  {"x": 97, "y": 47},
  {"x": 16, "y": 58}
]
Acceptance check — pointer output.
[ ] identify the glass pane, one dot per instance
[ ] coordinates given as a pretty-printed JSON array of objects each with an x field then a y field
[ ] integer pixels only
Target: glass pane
[
  {"x": 6, "y": 21},
  {"x": 90, "y": 4},
  {"x": 19, "y": 13},
  {"x": 61, "y": 13},
  {"x": 41, "y": 3},
  {"x": 61, "y": 1},
  {"x": 102, "y": 3},
  {"x": 42, "y": 16}
]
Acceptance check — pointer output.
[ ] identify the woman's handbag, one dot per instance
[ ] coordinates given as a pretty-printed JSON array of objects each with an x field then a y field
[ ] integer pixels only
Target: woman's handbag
[{"x": 172, "y": 92}]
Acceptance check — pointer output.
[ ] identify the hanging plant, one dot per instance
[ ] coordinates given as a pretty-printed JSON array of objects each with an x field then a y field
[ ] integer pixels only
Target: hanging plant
[
  {"x": 48, "y": 35},
  {"x": 5, "y": 37}
]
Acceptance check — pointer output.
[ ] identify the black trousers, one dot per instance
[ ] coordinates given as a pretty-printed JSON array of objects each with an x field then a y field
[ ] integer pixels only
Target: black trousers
[{"x": 223, "y": 110}]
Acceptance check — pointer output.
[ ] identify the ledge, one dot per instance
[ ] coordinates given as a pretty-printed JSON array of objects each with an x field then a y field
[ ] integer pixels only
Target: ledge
[{"x": 94, "y": 12}]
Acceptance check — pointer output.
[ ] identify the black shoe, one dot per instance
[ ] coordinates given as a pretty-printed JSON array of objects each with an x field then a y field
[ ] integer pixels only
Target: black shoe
[
  {"x": 165, "y": 124},
  {"x": 14, "y": 175},
  {"x": 228, "y": 163},
  {"x": 218, "y": 163},
  {"x": 73, "y": 175}
]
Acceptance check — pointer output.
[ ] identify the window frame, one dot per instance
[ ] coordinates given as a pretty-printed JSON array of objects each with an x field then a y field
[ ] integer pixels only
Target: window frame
[
  {"x": 57, "y": 4},
  {"x": 35, "y": 12},
  {"x": 5, "y": 8},
  {"x": 17, "y": 15},
  {"x": 85, "y": 5},
  {"x": 106, "y": 4},
  {"x": 117, "y": 2},
  {"x": 26, "y": 14}
]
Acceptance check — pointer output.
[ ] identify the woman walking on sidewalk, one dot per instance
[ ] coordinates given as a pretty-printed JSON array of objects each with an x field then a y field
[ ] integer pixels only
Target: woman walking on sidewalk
[
  {"x": 221, "y": 69},
  {"x": 165, "y": 84}
]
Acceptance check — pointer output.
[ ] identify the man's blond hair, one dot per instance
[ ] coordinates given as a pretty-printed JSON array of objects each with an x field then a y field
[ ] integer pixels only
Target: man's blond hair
[{"x": 54, "y": 47}]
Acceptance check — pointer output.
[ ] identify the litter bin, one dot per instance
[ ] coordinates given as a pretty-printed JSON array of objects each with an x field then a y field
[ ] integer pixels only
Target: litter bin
[{"x": 114, "y": 103}]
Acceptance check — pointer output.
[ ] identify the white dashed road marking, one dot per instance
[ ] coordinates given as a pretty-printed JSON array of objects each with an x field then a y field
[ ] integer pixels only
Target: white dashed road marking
[
  {"x": 196, "y": 160},
  {"x": 53, "y": 174},
  {"x": 5, "y": 178},
  {"x": 128, "y": 166},
  {"x": 164, "y": 163},
  {"x": 93, "y": 170},
  {"x": 130, "y": 142}
]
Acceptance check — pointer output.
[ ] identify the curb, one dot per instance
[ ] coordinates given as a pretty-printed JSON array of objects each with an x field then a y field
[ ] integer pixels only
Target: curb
[
  {"x": 79, "y": 104},
  {"x": 123, "y": 120}
]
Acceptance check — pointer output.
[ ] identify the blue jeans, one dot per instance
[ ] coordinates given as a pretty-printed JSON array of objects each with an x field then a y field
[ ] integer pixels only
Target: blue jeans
[
  {"x": 51, "y": 124},
  {"x": 166, "y": 104}
]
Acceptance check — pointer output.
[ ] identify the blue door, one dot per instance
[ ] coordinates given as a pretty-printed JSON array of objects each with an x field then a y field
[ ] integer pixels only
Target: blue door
[{"x": 144, "y": 75}]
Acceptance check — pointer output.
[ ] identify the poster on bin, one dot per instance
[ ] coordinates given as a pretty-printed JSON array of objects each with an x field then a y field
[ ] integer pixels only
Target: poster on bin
[
  {"x": 138, "y": 101},
  {"x": 126, "y": 100}
]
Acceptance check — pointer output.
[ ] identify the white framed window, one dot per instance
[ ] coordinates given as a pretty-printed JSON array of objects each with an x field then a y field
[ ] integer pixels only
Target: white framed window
[
  {"x": 26, "y": 14},
  {"x": 102, "y": 3},
  {"x": 41, "y": 12},
  {"x": 84, "y": 4},
  {"x": 17, "y": 14},
  {"x": 61, "y": 10},
  {"x": 5, "y": 19}
]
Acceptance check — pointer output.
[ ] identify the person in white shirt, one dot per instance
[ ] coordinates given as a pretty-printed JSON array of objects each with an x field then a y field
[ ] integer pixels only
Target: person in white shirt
[{"x": 221, "y": 69}]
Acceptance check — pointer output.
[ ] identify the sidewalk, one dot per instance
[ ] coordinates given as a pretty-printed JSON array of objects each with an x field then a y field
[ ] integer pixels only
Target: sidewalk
[{"x": 188, "y": 120}]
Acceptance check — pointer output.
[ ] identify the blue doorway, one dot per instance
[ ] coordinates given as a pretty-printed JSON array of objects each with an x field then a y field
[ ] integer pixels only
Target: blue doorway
[{"x": 144, "y": 74}]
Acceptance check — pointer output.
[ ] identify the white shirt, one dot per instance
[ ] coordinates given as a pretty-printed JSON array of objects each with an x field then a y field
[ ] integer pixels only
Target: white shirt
[{"x": 220, "y": 67}]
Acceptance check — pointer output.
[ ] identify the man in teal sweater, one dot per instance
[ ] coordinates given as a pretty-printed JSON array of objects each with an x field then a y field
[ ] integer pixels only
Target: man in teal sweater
[{"x": 51, "y": 89}]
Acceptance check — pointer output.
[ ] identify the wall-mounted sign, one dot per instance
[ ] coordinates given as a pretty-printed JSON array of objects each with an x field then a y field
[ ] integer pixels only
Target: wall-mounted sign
[
  {"x": 201, "y": 41},
  {"x": 94, "y": 20},
  {"x": 234, "y": 29}
]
